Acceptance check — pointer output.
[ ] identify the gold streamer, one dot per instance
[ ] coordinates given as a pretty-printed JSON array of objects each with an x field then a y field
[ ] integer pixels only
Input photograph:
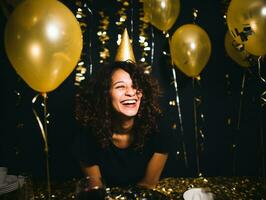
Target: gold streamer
[
  {"x": 43, "y": 129},
  {"x": 198, "y": 130},
  {"x": 263, "y": 94},
  {"x": 179, "y": 109},
  {"x": 81, "y": 15},
  {"x": 103, "y": 36},
  {"x": 241, "y": 99},
  {"x": 144, "y": 39},
  {"x": 196, "y": 135},
  {"x": 122, "y": 13},
  {"x": 259, "y": 70},
  {"x": 263, "y": 98}
]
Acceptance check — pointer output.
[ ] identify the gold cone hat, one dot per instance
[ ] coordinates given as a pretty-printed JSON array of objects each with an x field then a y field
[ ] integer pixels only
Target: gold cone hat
[{"x": 125, "y": 50}]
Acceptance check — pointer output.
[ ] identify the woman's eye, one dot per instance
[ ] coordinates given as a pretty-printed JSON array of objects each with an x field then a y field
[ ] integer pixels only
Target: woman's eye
[{"x": 120, "y": 86}]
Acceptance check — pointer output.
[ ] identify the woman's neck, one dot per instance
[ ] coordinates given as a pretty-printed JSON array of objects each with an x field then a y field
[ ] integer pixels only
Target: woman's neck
[
  {"x": 122, "y": 133},
  {"x": 123, "y": 126}
]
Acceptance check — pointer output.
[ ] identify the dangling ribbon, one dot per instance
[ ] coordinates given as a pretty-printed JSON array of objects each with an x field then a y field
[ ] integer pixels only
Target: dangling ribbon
[
  {"x": 239, "y": 116},
  {"x": 263, "y": 98},
  {"x": 262, "y": 146},
  {"x": 180, "y": 118},
  {"x": 43, "y": 128},
  {"x": 195, "y": 101},
  {"x": 178, "y": 109},
  {"x": 241, "y": 99},
  {"x": 263, "y": 95},
  {"x": 261, "y": 78}
]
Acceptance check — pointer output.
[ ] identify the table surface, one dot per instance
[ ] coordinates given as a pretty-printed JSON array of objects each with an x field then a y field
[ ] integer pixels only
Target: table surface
[{"x": 170, "y": 188}]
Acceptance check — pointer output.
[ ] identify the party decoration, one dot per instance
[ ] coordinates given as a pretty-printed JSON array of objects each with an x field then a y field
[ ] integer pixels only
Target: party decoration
[
  {"x": 125, "y": 51},
  {"x": 246, "y": 21},
  {"x": 103, "y": 36},
  {"x": 235, "y": 51},
  {"x": 190, "y": 49},
  {"x": 144, "y": 36},
  {"x": 43, "y": 42},
  {"x": 162, "y": 13},
  {"x": 84, "y": 16},
  {"x": 173, "y": 103}
]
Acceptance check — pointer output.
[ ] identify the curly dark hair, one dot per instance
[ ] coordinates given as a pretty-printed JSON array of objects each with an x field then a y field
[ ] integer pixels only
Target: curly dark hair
[{"x": 94, "y": 108}]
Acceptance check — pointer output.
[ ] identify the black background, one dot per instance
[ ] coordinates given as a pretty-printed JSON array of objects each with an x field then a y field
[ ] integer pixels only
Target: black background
[{"x": 226, "y": 149}]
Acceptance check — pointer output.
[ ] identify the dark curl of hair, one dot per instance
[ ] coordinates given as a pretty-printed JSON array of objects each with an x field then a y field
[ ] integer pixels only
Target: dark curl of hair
[{"x": 94, "y": 108}]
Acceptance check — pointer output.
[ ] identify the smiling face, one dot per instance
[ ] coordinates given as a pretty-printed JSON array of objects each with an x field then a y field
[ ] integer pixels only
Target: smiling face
[{"x": 125, "y": 99}]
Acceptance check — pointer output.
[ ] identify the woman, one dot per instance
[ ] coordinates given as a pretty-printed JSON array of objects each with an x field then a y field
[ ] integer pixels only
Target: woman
[{"x": 121, "y": 141}]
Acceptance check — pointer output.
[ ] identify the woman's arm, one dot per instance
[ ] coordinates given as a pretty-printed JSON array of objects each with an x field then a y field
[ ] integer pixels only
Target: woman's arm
[
  {"x": 154, "y": 170},
  {"x": 94, "y": 176}
]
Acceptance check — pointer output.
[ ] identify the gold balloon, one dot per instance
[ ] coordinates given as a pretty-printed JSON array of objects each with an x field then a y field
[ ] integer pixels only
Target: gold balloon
[
  {"x": 190, "y": 49},
  {"x": 246, "y": 20},
  {"x": 162, "y": 13},
  {"x": 239, "y": 56},
  {"x": 43, "y": 42}
]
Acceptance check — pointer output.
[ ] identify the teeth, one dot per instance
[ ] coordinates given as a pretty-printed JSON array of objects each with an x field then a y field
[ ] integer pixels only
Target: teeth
[{"x": 129, "y": 101}]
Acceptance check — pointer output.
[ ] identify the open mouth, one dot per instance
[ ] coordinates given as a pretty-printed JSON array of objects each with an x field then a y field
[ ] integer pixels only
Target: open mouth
[{"x": 129, "y": 102}]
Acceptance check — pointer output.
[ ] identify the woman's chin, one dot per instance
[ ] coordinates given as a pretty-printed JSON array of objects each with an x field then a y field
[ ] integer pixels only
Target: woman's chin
[{"x": 129, "y": 114}]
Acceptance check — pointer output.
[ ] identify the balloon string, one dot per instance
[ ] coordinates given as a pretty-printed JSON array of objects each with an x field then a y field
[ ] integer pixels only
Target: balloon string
[
  {"x": 259, "y": 67},
  {"x": 239, "y": 116},
  {"x": 263, "y": 94},
  {"x": 43, "y": 129},
  {"x": 262, "y": 146},
  {"x": 180, "y": 118},
  {"x": 40, "y": 124},
  {"x": 196, "y": 130},
  {"x": 241, "y": 99},
  {"x": 263, "y": 98},
  {"x": 179, "y": 110}
]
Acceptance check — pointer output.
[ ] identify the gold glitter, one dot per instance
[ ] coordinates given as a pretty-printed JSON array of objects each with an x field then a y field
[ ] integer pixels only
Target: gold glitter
[
  {"x": 168, "y": 189},
  {"x": 81, "y": 18},
  {"x": 103, "y": 36},
  {"x": 174, "y": 126},
  {"x": 221, "y": 187},
  {"x": 229, "y": 121},
  {"x": 172, "y": 103},
  {"x": 143, "y": 35}
]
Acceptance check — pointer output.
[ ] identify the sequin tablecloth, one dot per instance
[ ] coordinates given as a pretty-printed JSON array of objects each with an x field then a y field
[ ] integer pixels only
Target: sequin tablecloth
[
  {"x": 245, "y": 188},
  {"x": 238, "y": 188}
]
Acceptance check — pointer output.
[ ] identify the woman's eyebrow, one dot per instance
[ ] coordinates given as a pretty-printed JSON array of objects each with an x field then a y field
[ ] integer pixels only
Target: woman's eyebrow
[{"x": 117, "y": 82}]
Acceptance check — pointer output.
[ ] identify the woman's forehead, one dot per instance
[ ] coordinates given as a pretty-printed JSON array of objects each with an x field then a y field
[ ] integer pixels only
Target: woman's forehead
[{"x": 120, "y": 74}]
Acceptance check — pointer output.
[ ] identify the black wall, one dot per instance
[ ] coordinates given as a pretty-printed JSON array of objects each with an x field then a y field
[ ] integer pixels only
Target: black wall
[{"x": 233, "y": 125}]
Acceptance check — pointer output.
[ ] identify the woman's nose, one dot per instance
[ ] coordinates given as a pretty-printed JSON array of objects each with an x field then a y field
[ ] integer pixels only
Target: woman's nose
[{"x": 130, "y": 91}]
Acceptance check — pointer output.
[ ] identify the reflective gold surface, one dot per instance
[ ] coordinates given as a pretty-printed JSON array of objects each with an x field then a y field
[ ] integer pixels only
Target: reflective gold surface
[{"x": 173, "y": 188}]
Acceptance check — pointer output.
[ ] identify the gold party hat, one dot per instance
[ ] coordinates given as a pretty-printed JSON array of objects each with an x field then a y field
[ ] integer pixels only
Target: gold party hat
[{"x": 125, "y": 50}]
